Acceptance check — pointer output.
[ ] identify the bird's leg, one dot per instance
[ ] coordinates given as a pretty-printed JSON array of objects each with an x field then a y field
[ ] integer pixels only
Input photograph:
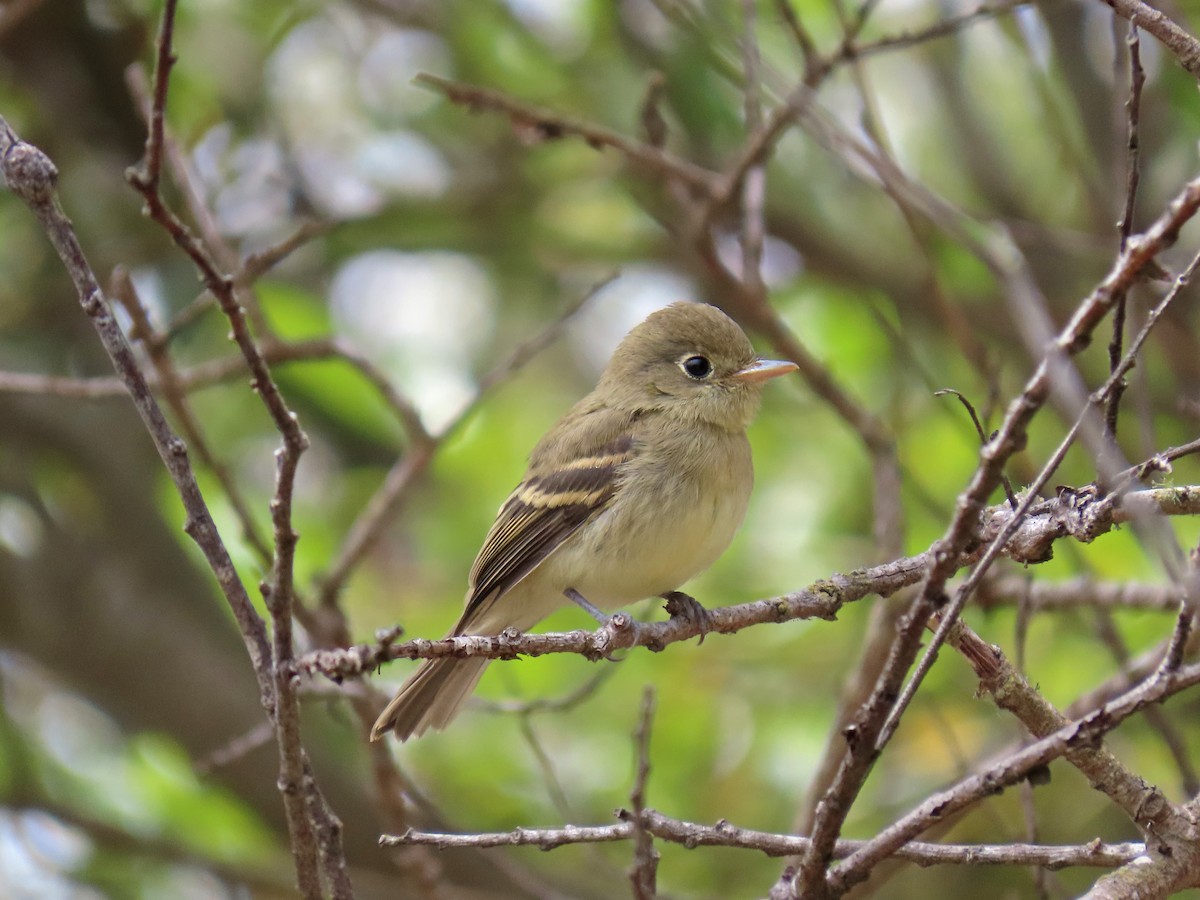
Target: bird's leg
[
  {"x": 586, "y": 605},
  {"x": 685, "y": 606}
]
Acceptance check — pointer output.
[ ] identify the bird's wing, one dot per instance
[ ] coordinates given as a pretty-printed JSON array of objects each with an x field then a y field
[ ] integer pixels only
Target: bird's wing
[{"x": 553, "y": 501}]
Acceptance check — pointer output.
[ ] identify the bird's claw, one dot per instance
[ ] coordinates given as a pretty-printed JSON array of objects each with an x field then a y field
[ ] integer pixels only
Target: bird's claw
[{"x": 684, "y": 606}]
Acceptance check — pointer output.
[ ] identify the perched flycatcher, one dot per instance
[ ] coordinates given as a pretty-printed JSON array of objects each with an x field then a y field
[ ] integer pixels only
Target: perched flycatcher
[{"x": 641, "y": 485}]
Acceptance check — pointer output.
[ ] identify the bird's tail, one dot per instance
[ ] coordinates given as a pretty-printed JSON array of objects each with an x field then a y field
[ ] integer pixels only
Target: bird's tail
[{"x": 430, "y": 698}]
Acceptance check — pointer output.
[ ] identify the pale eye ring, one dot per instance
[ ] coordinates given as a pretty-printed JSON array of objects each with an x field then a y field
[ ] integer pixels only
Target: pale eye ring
[{"x": 697, "y": 367}]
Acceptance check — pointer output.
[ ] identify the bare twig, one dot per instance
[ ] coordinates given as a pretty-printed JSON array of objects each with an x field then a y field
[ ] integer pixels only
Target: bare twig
[
  {"x": 1079, "y": 593},
  {"x": 902, "y": 40},
  {"x": 1143, "y": 803},
  {"x": 65, "y": 386},
  {"x": 225, "y": 255},
  {"x": 328, "y": 832},
  {"x": 262, "y": 261},
  {"x": 524, "y": 708},
  {"x": 1137, "y": 78},
  {"x": 258, "y": 736},
  {"x": 725, "y": 834},
  {"x": 878, "y": 718},
  {"x": 307, "y": 812},
  {"x": 803, "y": 40},
  {"x": 983, "y": 438},
  {"x": 1133, "y": 106},
  {"x": 1094, "y": 402},
  {"x": 1067, "y": 739},
  {"x": 1184, "y": 623},
  {"x": 642, "y": 873},
  {"x": 654, "y": 126},
  {"x": 1029, "y": 813},
  {"x": 1141, "y": 667},
  {"x": 176, "y": 395},
  {"x": 31, "y": 175},
  {"x": 550, "y": 125},
  {"x": 1185, "y": 47},
  {"x": 1156, "y": 718},
  {"x": 754, "y": 187},
  {"x": 164, "y": 59},
  {"x": 1156, "y": 878}
]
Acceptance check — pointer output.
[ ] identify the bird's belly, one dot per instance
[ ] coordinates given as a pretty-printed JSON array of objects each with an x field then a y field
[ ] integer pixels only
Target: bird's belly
[{"x": 648, "y": 554}]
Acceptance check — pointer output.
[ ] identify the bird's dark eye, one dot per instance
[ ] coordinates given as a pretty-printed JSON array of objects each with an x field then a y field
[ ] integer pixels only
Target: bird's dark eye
[{"x": 697, "y": 367}]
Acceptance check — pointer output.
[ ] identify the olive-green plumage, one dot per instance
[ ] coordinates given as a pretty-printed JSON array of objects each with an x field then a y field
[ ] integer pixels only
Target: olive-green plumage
[{"x": 640, "y": 486}]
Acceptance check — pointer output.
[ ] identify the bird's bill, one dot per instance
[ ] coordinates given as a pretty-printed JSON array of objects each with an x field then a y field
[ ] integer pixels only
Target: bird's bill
[{"x": 762, "y": 369}]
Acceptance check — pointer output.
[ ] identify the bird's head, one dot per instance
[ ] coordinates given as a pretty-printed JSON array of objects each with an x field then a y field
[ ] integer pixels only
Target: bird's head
[{"x": 693, "y": 360}]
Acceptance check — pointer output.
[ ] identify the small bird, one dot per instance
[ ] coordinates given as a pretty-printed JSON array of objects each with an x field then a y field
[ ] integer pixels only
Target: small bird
[{"x": 639, "y": 487}]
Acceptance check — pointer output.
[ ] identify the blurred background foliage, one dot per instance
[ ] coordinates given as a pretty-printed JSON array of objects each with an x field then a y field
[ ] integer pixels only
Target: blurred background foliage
[{"x": 451, "y": 238}]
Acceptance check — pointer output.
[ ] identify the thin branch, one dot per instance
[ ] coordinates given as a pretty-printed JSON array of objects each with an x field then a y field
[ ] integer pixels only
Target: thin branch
[
  {"x": 216, "y": 371},
  {"x": 328, "y": 828},
  {"x": 525, "y": 708},
  {"x": 754, "y": 187},
  {"x": 314, "y": 831},
  {"x": 1029, "y": 812},
  {"x": 1148, "y": 879},
  {"x": 31, "y": 175},
  {"x": 547, "y": 125},
  {"x": 1156, "y": 718},
  {"x": 185, "y": 179},
  {"x": 260, "y": 262},
  {"x": 175, "y": 393},
  {"x": 1078, "y": 593},
  {"x": 1143, "y": 803},
  {"x": 222, "y": 287},
  {"x": 1009, "y": 771},
  {"x": 983, "y": 438},
  {"x": 801, "y": 37},
  {"x": 643, "y": 871},
  {"x": 724, "y": 834},
  {"x": 1137, "y": 78},
  {"x": 258, "y": 736},
  {"x": 1185, "y": 47},
  {"x": 944, "y": 28},
  {"x": 654, "y": 126},
  {"x": 1159, "y": 462},
  {"x": 164, "y": 59},
  {"x": 1140, "y": 668},
  {"x": 1133, "y": 106},
  {"x": 868, "y": 731},
  {"x": 1095, "y": 402},
  {"x": 544, "y": 762},
  {"x": 66, "y": 387},
  {"x": 1178, "y": 641}
]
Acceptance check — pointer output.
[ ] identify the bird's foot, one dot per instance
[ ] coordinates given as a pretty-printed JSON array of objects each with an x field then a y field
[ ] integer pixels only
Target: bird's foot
[
  {"x": 619, "y": 624},
  {"x": 685, "y": 606}
]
